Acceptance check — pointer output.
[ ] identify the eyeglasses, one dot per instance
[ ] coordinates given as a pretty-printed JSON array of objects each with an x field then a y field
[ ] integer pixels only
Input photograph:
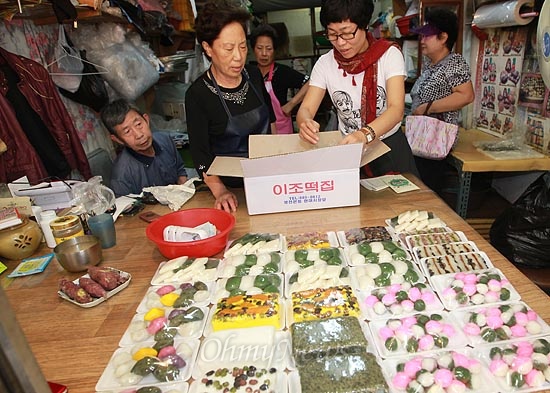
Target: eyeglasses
[{"x": 345, "y": 36}]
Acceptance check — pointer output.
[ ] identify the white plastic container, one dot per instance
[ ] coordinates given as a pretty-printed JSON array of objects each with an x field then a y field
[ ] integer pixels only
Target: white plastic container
[{"x": 45, "y": 218}]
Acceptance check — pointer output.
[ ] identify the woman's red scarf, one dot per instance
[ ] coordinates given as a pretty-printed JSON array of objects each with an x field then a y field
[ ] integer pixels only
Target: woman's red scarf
[{"x": 368, "y": 62}]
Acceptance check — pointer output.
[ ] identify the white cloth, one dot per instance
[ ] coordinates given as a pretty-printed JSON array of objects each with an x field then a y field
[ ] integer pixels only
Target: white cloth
[
  {"x": 346, "y": 97},
  {"x": 173, "y": 195}
]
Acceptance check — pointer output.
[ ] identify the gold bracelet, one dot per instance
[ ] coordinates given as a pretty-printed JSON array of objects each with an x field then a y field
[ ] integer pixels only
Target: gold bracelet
[{"x": 369, "y": 133}]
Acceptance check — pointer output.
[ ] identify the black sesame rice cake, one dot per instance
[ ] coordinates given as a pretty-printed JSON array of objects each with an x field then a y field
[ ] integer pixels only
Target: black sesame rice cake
[{"x": 325, "y": 337}]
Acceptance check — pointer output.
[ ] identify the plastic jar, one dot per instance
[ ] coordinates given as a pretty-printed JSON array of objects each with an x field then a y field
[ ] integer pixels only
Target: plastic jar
[
  {"x": 46, "y": 217},
  {"x": 66, "y": 227}
]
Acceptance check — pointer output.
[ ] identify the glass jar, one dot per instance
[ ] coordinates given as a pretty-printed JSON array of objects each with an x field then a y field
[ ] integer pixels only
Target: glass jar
[{"x": 66, "y": 227}]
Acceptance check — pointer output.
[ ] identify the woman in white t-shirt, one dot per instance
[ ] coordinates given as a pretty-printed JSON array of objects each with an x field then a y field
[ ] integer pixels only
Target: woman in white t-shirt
[{"x": 365, "y": 79}]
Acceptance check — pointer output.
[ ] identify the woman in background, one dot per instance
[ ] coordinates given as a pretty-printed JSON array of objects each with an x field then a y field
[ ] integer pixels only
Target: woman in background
[
  {"x": 228, "y": 102},
  {"x": 372, "y": 74},
  {"x": 278, "y": 78},
  {"x": 444, "y": 86}
]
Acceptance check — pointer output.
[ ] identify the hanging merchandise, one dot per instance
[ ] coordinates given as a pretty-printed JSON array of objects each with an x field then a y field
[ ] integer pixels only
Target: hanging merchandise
[
  {"x": 503, "y": 14},
  {"x": 543, "y": 42},
  {"x": 92, "y": 91},
  {"x": 66, "y": 69}
]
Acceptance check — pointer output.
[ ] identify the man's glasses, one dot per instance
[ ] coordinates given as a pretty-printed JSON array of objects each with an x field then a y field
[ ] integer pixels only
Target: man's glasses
[{"x": 345, "y": 36}]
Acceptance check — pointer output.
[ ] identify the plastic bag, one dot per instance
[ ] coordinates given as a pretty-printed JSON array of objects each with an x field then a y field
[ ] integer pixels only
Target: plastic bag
[
  {"x": 522, "y": 232},
  {"x": 66, "y": 69},
  {"x": 93, "y": 198},
  {"x": 130, "y": 73},
  {"x": 174, "y": 195}
]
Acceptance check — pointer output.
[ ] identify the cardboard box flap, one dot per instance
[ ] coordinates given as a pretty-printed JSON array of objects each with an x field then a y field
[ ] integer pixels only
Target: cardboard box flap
[
  {"x": 318, "y": 160},
  {"x": 286, "y": 152}
]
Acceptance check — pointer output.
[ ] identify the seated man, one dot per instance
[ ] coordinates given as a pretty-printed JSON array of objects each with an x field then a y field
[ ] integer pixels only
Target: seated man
[{"x": 148, "y": 159}]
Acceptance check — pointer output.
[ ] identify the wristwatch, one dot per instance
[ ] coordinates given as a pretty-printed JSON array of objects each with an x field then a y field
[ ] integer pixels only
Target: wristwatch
[{"x": 368, "y": 132}]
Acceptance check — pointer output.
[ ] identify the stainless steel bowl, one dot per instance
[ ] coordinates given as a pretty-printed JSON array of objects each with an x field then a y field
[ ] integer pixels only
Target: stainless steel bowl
[{"x": 77, "y": 253}]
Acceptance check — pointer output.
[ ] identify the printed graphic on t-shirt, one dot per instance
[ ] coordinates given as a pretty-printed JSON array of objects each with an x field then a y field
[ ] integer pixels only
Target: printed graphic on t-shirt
[
  {"x": 350, "y": 118},
  {"x": 380, "y": 100}
]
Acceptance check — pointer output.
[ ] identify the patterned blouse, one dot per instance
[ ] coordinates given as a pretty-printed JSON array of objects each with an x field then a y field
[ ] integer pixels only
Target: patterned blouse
[{"x": 437, "y": 81}]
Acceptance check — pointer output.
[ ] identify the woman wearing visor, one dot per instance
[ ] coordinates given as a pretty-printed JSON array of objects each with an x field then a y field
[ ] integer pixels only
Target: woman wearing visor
[{"x": 444, "y": 86}]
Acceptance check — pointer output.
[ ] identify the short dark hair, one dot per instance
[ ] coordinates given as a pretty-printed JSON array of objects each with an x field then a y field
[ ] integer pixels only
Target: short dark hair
[
  {"x": 357, "y": 11},
  {"x": 446, "y": 21},
  {"x": 114, "y": 113},
  {"x": 264, "y": 30},
  {"x": 214, "y": 16}
]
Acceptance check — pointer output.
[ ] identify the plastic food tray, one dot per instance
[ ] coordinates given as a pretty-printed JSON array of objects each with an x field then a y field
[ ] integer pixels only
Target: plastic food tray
[
  {"x": 291, "y": 265},
  {"x": 152, "y": 299},
  {"x": 480, "y": 375},
  {"x": 446, "y": 264},
  {"x": 229, "y": 265},
  {"x": 256, "y": 245},
  {"x": 435, "y": 250},
  {"x": 247, "y": 285},
  {"x": 482, "y": 352},
  {"x": 263, "y": 346},
  {"x": 208, "y": 329},
  {"x": 281, "y": 385},
  {"x": 323, "y": 276},
  {"x": 350, "y": 251},
  {"x": 179, "y": 387},
  {"x": 186, "y": 330},
  {"x": 189, "y": 275},
  {"x": 109, "y": 381},
  {"x": 369, "y": 313},
  {"x": 463, "y": 317},
  {"x": 97, "y": 301},
  {"x": 456, "y": 341},
  {"x": 361, "y": 284},
  {"x": 434, "y": 238},
  {"x": 310, "y": 240},
  {"x": 442, "y": 283},
  {"x": 356, "y": 235}
]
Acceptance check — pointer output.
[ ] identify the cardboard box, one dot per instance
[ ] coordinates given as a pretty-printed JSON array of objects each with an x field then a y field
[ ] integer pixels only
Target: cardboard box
[{"x": 285, "y": 173}]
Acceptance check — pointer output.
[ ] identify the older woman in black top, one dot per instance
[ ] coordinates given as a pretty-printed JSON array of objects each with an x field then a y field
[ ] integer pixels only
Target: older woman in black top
[{"x": 229, "y": 101}]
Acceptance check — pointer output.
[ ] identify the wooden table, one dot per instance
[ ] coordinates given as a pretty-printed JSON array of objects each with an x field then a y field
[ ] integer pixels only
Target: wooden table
[
  {"x": 73, "y": 345},
  {"x": 467, "y": 159}
]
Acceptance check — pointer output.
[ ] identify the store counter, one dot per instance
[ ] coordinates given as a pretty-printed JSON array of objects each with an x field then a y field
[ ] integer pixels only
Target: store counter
[
  {"x": 467, "y": 159},
  {"x": 73, "y": 345}
]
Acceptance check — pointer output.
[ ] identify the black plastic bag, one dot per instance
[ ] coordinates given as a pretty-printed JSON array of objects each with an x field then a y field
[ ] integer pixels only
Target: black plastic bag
[
  {"x": 91, "y": 91},
  {"x": 522, "y": 232}
]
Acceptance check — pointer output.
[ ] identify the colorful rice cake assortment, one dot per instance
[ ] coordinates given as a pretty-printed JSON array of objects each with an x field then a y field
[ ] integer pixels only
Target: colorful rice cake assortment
[
  {"x": 521, "y": 365},
  {"x": 324, "y": 303},
  {"x": 244, "y": 378},
  {"x": 375, "y": 252},
  {"x": 368, "y": 234},
  {"x": 241, "y": 311},
  {"x": 308, "y": 240},
  {"x": 447, "y": 371},
  {"x": 468, "y": 289},
  {"x": 399, "y": 300},
  {"x": 422, "y": 332},
  {"x": 254, "y": 243}
]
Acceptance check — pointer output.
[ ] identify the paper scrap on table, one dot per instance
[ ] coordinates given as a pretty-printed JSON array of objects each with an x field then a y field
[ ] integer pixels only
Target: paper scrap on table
[
  {"x": 397, "y": 183},
  {"x": 31, "y": 266},
  {"x": 174, "y": 195},
  {"x": 122, "y": 203}
]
